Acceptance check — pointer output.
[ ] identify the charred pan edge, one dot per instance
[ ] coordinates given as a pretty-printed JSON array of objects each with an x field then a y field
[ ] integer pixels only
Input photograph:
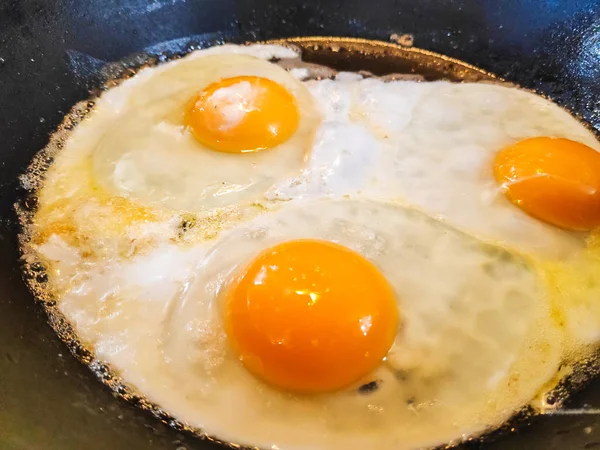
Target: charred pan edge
[
  {"x": 115, "y": 73},
  {"x": 452, "y": 68},
  {"x": 422, "y": 58}
]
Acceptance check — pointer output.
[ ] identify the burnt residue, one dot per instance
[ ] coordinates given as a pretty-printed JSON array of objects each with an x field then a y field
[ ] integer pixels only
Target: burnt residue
[
  {"x": 186, "y": 223},
  {"x": 369, "y": 388}
]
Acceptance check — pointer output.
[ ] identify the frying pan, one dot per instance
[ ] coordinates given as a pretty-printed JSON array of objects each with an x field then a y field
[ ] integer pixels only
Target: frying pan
[{"x": 52, "y": 54}]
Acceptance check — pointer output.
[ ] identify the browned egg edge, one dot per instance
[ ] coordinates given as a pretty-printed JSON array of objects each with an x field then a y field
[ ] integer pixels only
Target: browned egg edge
[{"x": 36, "y": 278}]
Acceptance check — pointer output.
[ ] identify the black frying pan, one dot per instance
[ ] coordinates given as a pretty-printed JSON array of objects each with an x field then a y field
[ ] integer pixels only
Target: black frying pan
[{"x": 51, "y": 55}]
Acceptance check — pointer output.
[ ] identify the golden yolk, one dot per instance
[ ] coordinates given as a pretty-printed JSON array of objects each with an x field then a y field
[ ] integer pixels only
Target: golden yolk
[
  {"x": 311, "y": 316},
  {"x": 243, "y": 114},
  {"x": 555, "y": 180}
]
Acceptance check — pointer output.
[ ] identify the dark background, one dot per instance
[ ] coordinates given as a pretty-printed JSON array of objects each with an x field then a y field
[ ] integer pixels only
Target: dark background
[{"x": 50, "y": 52}]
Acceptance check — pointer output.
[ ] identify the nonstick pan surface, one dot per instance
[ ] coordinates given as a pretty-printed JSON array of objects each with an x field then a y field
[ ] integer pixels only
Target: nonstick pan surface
[{"x": 51, "y": 55}]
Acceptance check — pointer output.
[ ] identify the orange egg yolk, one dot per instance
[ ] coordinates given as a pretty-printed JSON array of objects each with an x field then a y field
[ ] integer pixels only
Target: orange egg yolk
[
  {"x": 554, "y": 180},
  {"x": 243, "y": 114},
  {"x": 311, "y": 316}
]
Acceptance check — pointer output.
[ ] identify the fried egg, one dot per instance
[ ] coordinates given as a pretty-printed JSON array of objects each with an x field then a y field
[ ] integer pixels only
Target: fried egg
[
  {"x": 336, "y": 263},
  {"x": 199, "y": 133},
  {"x": 433, "y": 145},
  {"x": 437, "y": 306},
  {"x": 121, "y": 178}
]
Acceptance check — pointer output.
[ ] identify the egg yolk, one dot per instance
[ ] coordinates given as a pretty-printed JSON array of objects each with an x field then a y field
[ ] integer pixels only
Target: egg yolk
[
  {"x": 311, "y": 316},
  {"x": 554, "y": 180},
  {"x": 243, "y": 114}
]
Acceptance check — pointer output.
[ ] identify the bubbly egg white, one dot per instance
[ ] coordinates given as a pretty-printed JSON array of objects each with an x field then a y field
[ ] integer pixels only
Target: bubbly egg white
[{"x": 138, "y": 259}]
